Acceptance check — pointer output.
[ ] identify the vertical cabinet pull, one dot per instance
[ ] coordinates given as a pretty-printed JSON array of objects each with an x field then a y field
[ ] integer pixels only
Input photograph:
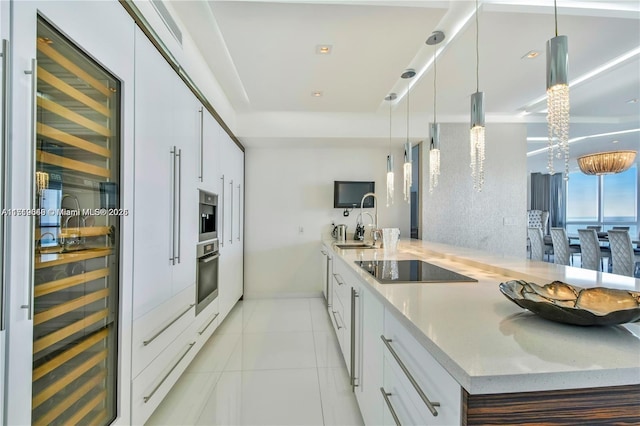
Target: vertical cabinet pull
[
  {"x": 239, "y": 210},
  {"x": 179, "y": 201},
  {"x": 32, "y": 167},
  {"x": 201, "y": 177},
  {"x": 386, "y": 396},
  {"x": 3, "y": 176},
  {"x": 172, "y": 259},
  {"x": 221, "y": 214},
  {"x": 430, "y": 405},
  {"x": 231, "y": 213},
  {"x": 354, "y": 295}
]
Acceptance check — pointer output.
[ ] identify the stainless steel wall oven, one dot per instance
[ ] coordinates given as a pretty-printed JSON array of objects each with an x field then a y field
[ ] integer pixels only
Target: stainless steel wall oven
[{"x": 207, "y": 274}]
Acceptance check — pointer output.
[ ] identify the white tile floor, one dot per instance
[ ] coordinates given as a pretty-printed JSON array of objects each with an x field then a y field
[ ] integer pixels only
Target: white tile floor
[{"x": 271, "y": 362}]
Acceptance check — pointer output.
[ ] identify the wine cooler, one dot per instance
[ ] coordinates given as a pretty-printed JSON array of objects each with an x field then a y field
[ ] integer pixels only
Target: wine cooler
[{"x": 76, "y": 267}]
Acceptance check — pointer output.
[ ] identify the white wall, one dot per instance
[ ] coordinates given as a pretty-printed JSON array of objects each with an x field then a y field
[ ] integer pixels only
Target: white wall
[
  {"x": 289, "y": 188},
  {"x": 492, "y": 220}
]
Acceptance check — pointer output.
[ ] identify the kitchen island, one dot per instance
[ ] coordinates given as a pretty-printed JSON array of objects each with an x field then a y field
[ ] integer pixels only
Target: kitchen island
[{"x": 506, "y": 360}]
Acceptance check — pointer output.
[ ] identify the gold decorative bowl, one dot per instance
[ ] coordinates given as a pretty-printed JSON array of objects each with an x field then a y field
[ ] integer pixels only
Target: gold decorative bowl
[{"x": 561, "y": 302}]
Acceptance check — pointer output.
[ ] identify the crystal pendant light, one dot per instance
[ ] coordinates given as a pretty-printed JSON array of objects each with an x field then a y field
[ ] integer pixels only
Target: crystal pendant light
[
  {"x": 408, "y": 74},
  {"x": 434, "y": 146},
  {"x": 390, "y": 177},
  {"x": 476, "y": 137},
  {"x": 558, "y": 97},
  {"x": 434, "y": 156}
]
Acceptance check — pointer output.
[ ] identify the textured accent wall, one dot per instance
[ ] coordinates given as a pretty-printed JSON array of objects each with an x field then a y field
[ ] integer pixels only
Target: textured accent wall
[
  {"x": 290, "y": 188},
  {"x": 492, "y": 220}
]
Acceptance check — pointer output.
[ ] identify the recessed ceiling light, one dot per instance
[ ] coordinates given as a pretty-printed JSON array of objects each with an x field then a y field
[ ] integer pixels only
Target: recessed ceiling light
[
  {"x": 616, "y": 141},
  {"x": 633, "y": 101},
  {"x": 323, "y": 49},
  {"x": 531, "y": 54},
  {"x": 316, "y": 94}
]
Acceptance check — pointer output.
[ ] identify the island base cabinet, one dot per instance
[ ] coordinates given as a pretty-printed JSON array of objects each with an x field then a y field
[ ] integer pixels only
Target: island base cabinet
[
  {"x": 368, "y": 368},
  {"x": 403, "y": 352},
  {"x": 606, "y": 405}
]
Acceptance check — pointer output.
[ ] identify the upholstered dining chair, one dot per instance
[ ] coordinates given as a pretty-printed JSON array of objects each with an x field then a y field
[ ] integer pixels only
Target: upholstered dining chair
[
  {"x": 625, "y": 260},
  {"x": 537, "y": 243},
  {"x": 562, "y": 251},
  {"x": 538, "y": 219},
  {"x": 591, "y": 253}
]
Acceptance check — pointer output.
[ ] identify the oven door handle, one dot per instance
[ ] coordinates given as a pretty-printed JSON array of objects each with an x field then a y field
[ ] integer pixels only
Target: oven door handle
[{"x": 209, "y": 259}]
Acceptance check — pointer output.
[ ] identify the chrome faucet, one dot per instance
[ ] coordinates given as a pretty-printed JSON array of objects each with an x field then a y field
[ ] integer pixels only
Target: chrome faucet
[{"x": 375, "y": 232}]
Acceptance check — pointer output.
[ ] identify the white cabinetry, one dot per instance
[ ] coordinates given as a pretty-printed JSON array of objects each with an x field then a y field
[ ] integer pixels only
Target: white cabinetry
[
  {"x": 231, "y": 225},
  {"x": 382, "y": 356},
  {"x": 369, "y": 370},
  {"x": 420, "y": 381},
  {"x": 166, "y": 143},
  {"x": 327, "y": 269}
]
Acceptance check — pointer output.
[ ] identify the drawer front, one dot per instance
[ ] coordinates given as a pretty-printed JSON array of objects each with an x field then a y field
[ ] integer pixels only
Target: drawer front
[
  {"x": 153, "y": 384},
  {"x": 433, "y": 380},
  {"x": 398, "y": 401},
  {"x": 153, "y": 332}
]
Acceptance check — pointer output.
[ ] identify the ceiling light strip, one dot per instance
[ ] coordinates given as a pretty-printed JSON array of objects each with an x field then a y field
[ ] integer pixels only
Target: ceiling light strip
[{"x": 581, "y": 138}]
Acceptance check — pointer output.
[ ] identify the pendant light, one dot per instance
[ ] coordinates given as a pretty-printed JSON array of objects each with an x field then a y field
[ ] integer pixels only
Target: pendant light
[
  {"x": 434, "y": 146},
  {"x": 476, "y": 136},
  {"x": 390, "y": 98},
  {"x": 558, "y": 97},
  {"x": 408, "y": 75}
]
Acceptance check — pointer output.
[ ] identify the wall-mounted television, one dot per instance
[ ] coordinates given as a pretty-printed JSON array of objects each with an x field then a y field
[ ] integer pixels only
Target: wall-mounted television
[{"x": 348, "y": 194}]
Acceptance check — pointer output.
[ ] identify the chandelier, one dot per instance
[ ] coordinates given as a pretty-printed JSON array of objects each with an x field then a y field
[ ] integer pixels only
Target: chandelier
[
  {"x": 604, "y": 163},
  {"x": 476, "y": 134},
  {"x": 406, "y": 187},
  {"x": 558, "y": 98},
  {"x": 434, "y": 146}
]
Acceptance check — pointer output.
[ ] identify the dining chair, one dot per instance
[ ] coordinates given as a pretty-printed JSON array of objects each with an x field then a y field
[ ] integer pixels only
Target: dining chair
[
  {"x": 591, "y": 253},
  {"x": 625, "y": 260},
  {"x": 562, "y": 251},
  {"x": 622, "y": 228},
  {"x": 538, "y": 247},
  {"x": 596, "y": 227}
]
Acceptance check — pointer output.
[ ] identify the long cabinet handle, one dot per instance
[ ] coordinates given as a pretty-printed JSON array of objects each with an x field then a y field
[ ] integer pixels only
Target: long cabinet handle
[
  {"x": 231, "y": 213},
  {"x": 172, "y": 259},
  {"x": 32, "y": 168},
  {"x": 180, "y": 315},
  {"x": 201, "y": 111},
  {"x": 3, "y": 175},
  {"x": 339, "y": 280},
  {"x": 155, "y": 389},
  {"x": 354, "y": 296},
  {"x": 179, "y": 201},
  {"x": 208, "y": 324},
  {"x": 336, "y": 319},
  {"x": 221, "y": 214},
  {"x": 239, "y": 209},
  {"x": 430, "y": 405},
  {"x": 386, "y": 396}
]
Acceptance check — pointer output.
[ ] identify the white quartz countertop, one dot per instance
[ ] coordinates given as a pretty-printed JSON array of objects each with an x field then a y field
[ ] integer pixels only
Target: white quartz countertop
[{"x": 489, "y": 344}]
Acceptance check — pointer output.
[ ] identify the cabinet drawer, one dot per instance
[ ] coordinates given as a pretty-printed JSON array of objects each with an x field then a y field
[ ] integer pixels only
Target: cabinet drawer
[
  {"x": 398, "y": 401},
  {"x": 434, "y": 381},
  {"x": 157, "y": 329},
  {"x": 153, "y": 384}
]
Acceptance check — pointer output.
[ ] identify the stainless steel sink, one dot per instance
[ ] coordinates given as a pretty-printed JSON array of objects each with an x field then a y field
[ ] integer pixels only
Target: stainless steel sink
[{"x": 355, "y": 246}]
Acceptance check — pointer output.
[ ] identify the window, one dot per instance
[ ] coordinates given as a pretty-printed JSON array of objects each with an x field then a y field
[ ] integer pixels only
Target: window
[{"x": 608, "y": 201}]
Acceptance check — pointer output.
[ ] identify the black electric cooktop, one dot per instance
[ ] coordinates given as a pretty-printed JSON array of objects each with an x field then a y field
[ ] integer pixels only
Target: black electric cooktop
[{"x": 410, "y": 271}]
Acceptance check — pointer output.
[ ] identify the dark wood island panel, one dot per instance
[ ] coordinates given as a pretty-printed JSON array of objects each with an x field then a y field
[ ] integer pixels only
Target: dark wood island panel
[{"x": 615, "y": 405}]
